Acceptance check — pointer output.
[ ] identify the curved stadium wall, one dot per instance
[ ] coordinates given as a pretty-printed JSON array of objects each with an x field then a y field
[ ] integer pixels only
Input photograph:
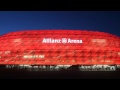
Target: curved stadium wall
[{"x": 59, "y": 47}]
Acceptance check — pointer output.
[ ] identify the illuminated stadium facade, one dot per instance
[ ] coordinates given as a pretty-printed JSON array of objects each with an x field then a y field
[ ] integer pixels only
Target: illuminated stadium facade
[{"x": 60, "y": 49}]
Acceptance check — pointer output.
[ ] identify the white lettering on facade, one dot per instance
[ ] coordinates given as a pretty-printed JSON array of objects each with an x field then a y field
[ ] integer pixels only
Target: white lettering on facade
[
  {"x": 33, "y": 56},
  {"x": 50, "y": 40},
  {"x": 74, "y": 41},
  {"x": 63, "y": 40},
  {"x": 44, "y": 41}
]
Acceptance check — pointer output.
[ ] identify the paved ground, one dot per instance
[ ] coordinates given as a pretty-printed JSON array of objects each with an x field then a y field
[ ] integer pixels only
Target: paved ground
[{"x": 17, "y": 74}]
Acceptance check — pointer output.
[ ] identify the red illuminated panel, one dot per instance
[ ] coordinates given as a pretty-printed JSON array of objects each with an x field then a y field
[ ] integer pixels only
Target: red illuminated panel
[{"x": 56, "y": 47}]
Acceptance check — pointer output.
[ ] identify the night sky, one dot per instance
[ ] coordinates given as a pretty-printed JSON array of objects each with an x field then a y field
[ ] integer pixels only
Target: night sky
[{"x": 107, "y": 21}]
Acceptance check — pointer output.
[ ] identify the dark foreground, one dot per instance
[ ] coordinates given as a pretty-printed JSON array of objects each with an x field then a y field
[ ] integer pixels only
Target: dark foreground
[{"x": 22, "y": 74}]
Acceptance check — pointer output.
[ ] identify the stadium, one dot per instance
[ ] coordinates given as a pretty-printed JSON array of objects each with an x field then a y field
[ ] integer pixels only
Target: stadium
[{"x": 60, "y": 50}]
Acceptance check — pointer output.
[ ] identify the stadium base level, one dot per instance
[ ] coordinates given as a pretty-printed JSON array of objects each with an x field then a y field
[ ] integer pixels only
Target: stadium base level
[{"x": 62, "y": 67}]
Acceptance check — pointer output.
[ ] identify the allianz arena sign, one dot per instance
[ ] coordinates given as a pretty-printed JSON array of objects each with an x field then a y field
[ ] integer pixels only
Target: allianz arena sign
[{"x": 62, "y": 40}]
